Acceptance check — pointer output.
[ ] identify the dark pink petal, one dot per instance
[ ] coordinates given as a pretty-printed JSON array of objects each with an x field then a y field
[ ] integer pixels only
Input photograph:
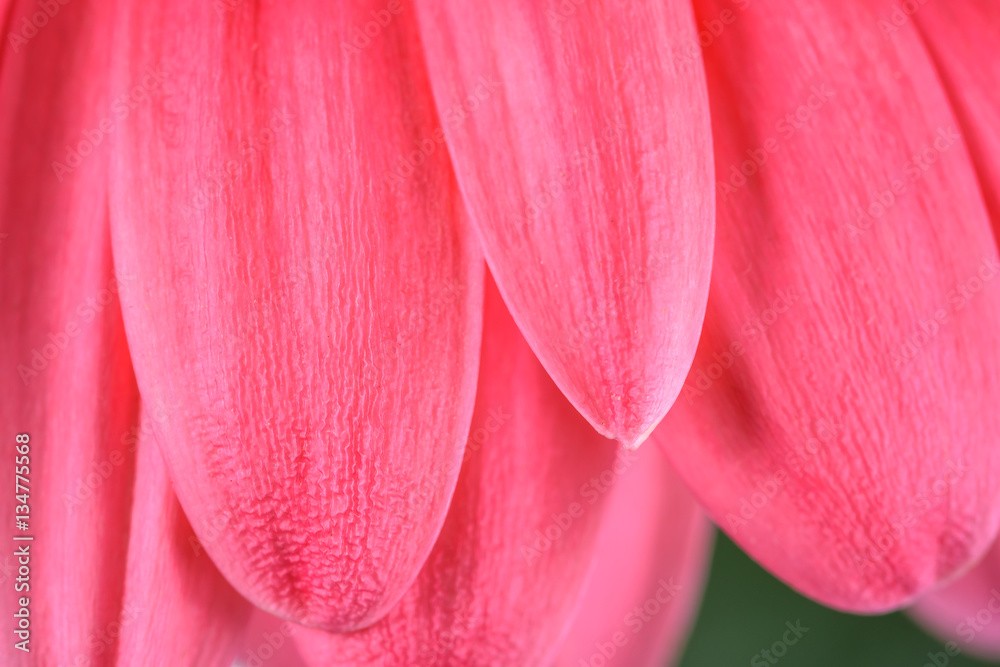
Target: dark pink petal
[
  {"x": 507, "y": 572},
  {"x": 840, "y": 418},
  {"x": 967, "y": 612},
  {"x": 316, "y": 322},
  {"x": 652, "y": 557},
  {"x": 583, "y": 151},
  {"x": 65, "y": 376},
  {"x": 177, "y": 609},
  {"x": 961, "y": 36}
]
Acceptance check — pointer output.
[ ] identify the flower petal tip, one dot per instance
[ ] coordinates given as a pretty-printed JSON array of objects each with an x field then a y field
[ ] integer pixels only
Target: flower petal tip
[{"x": 633, "y": 443}]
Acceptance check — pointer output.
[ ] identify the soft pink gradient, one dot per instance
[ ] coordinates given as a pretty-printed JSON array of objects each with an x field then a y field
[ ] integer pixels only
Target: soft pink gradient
[
  {"x": 587, "y": 170},
  {"x": 318, "y": 327},
  {"x": 506, "y": 574},
  {"x": 967, "y": 611},
  {"x": 840, "y": 421},
  {"x": 65, "y": 374},
  {"x": 650, "y": 568},
  {"x": 273, "y": 223}
]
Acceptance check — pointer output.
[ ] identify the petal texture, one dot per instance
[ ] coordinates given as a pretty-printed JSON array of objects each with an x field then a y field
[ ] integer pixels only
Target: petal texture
[
  {"x": 652, "y": 558},
  {"x": 177, "y": 609},
  {"x": 507, "y": 572},
  {"x": 839, "y": 420},
  {"x": 961, "y": 37},
  {"x": 583, "y": 151},
  {"x": 65, "y": 376},
  {"x": 317, "y": 325},
  {"x": 967, "y": 611}
]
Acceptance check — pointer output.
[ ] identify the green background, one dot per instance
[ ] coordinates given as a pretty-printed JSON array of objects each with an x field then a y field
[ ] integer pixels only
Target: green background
[{"x": 745, "y": 610}]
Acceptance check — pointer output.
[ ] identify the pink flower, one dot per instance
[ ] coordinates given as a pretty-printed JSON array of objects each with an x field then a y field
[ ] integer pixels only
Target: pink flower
[{"x": 261, "y": 366}]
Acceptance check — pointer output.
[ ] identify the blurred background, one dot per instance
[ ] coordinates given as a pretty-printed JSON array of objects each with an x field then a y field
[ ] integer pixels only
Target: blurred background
[{"x": 745, "y": 610}]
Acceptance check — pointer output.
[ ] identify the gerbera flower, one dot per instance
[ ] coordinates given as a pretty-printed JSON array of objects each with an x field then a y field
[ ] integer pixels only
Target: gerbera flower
[{"x": 382, "y": 297}]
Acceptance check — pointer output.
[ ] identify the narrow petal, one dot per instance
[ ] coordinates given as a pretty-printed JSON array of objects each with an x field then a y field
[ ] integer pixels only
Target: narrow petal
[
  {"x": 961, "y": 36},
  {"x": 177, "y": 609},
  {"x": 967, "y": 612},
  {"x": 317, "y": 323},
  {"x": 506, "y": 574},
  {"x": 66, "y": 382},
  {"x": 583, "y": 151},
  {"x": 840, "y": 418},
  {"x": 652, "y": 557}
]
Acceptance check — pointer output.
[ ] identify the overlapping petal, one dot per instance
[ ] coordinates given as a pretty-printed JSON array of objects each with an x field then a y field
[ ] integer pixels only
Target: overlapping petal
[
  {"x": 177, "y": 608},
  {"x": 961, "y": 37},
  {"x": 65, "y": 377},
  {"x": 316, "y": 321},
  {"x": 652, "y": 558},
  {"x": 583, "y": 151},
  {"x": 269, "y": 640},
  {"x": 966, "y": 613},
  {"x": 839, "y": 420},
  {"x": 508, "y": 570}
]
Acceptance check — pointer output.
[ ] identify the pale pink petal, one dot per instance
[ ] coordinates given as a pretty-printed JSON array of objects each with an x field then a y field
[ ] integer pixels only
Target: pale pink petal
[
  {"x": 840, "y": 418},
  {"x": 503, "y": 580},
  {"x": 269, "y": 640},
  {"x": 316, "y": 323},
  {"x": 961, "y": 36},
  {"x": 583, "y": 151},
  {"x": 177, "y": 608},
  {"x": 652, "y": 559},
  {"x": 65, "y": 376},
  {"x": 966, "y": 612}
]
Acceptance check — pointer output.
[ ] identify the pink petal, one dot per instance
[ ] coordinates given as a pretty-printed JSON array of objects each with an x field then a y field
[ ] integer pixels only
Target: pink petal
[
  {"x": 269, "y": 640},
  {"x": 961, "y": 37},
  {"x": 177, "y": 609},
  {"x": 317, "y": 325},
  {"x": 583, "y": 151},
  {"x": 840, "y": 418},
  {"x": 65, "y": 376},
  {"x": 652, "y": 558},
  {"x": 503, "y": 580},
  {"x": 967, "y": 612}
]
